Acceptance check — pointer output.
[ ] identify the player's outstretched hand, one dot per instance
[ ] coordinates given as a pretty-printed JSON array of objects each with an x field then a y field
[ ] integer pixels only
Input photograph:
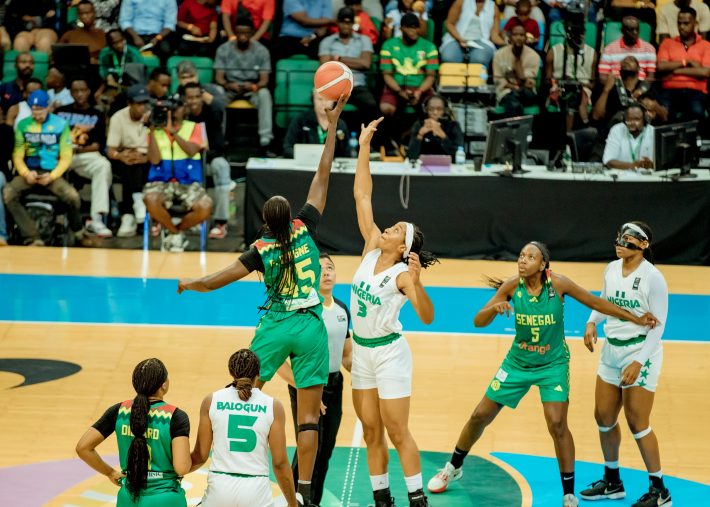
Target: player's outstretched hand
[
  {"x": 503, "y": 308},
  {"x": 590, "y": 336},
  {"x": 334, "y": 114},
  {"x": 184, "y": 285},
  {"x": 366, "y": 133}
]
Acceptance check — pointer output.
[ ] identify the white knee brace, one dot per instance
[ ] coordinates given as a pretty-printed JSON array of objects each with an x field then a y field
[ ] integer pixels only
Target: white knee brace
[
  {"x": 643, "y": 433},
  {"x": 605, "y": 429}
]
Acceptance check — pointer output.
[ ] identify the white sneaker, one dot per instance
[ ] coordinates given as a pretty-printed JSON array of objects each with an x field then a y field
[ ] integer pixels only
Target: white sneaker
[
  {"x": 97, "y": 228},
  {"x": 175, "y": 243},
  {"x": 128, "y": 227},
  {"x": 440, "y": 481},
  {"x": 570, "y": 500}
]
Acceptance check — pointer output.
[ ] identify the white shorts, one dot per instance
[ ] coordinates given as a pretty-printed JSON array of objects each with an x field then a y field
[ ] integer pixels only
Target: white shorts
[
  {"x": 229, "y": 491},
  {"x": 387, "y": 368},
  {"x": 615, "y": 358}
]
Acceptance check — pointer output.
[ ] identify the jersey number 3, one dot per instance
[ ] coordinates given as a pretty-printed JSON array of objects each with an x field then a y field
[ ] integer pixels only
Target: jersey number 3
[{"x": 241, "y": 437}]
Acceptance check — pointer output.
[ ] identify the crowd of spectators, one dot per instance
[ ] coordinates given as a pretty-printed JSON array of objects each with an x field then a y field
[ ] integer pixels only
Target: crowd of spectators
[{"x": 102, "y": 128}]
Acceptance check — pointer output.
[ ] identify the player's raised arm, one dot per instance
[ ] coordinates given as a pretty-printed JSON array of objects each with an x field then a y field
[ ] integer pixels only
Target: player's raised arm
[
  {"x": 362, "y": 189},
  {"x": 319, "y": 186},
  {"x": 232, "y": 273}
]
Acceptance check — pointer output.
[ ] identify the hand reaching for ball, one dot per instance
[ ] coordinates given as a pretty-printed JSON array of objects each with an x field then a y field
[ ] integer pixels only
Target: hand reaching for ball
[
  {"x": 334, "y": 114},
  {"x": 367, "y": 132}
]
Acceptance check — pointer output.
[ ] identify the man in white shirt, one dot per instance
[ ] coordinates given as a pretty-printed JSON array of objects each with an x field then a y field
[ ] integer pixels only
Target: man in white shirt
[{"x": 630, "y": 143}]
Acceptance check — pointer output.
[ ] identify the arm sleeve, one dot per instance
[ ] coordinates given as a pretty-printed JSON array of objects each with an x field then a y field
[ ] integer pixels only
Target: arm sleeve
[
  {"x": 113, "y": 139},
  {"x": 596, "y": 316},
  {"x": 179, "y": 424},
  {"x": 324, "y": 48},
  {"x": 658, "y": 306},
  {"x": 454, "y": 139},
  {"x": 269, "y": 9},
  {"x": 664, "y": 53},
  {"x": 125, "y": 16},
  {"x": 18, "y": 153},
  {"x": 107, "y": 422},
  {"x": 612, "y": 150},
  {"x": 170, "y": 17},
  {"x": 66, "y": 152},
  {"x": 252, "y": 260},
  {"x": 415, "y": 145},
  {"x": 311, "y": 217},
  {"x": 291, "y": 6}
]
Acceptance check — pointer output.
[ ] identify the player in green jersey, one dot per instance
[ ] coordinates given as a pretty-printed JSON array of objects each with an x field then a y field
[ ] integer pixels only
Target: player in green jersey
[
  {"x": 292, "y": 327},
  {"x": 538, "y": 357},
  {"x": 154, "y": 461}
]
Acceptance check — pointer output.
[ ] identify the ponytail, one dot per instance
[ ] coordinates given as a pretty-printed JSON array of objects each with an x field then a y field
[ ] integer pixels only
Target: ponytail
[
  {"x": 647, "y": 252},
  {"x": 426, "y": 258},
  {"x": 277, "y": 215}
]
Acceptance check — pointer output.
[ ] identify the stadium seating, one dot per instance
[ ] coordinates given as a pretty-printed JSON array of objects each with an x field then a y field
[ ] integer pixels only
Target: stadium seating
[
  {"x": 204, "y": 65},
  {"x": 612, "y": 32},
  {"x": 41, "y": 65},
  {"x": 294, "y": 84}
]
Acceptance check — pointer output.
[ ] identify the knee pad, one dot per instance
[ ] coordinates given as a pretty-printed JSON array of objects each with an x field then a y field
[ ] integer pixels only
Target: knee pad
[
  {"x": 605, "y": 429},
  {"x": 642, "y": 433},
  {"x": 308, "y": 427}
]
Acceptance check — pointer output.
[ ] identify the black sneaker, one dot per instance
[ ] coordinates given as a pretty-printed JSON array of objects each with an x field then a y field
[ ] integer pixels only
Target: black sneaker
[
  {"x": 418, "y": 499},
  {"x": 655, "y": 497},
  {"x": 602, "y": 489},
  {"x": 383, "y": 498}
]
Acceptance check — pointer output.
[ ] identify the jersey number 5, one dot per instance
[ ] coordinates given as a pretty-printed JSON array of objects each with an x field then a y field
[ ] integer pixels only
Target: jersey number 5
[
  {"x": 303, "y": 272},
  {"x": 535, "y": 334},
  {"x": 241, "y": 437}
]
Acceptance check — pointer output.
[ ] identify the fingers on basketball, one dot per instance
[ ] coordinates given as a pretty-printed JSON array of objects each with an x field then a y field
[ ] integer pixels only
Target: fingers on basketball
[{"x": 334, "y": 81}]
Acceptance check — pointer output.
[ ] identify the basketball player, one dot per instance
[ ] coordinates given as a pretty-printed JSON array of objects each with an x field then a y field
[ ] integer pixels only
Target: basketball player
[
  {"x": 161, "y": 444},
  {"x": 630, "y": 363},
  {"x": 388, "y": 275},
  {"x": 287, "y": 255},
  {"x": 240, "y": 424},
  {"x": 538, "y": 357}
]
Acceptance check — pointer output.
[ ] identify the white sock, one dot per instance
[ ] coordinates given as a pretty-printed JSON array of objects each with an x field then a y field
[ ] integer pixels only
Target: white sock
[
  {"x": 413, "y": 483},
  {"x": 658, "y": 474},
  {"x": 611, "y": 464},
  {"x": 380, "y": 481},
  {"x": 138, "y": 207}
]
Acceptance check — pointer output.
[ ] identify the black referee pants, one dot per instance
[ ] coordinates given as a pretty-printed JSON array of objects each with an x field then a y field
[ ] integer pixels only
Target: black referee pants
[{"x": 329, "y": 425}]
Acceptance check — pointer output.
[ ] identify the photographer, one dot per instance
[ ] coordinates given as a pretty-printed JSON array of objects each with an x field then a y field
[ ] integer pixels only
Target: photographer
[{"x": 175, "y": 148}]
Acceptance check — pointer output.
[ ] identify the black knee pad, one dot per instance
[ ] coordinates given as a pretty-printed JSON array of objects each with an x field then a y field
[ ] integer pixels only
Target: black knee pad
[{"x": 308, "y": 427}]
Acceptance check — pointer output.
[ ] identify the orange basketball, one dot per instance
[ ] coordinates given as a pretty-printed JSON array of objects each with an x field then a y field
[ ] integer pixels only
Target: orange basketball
[{"x": 333, "y": 79}]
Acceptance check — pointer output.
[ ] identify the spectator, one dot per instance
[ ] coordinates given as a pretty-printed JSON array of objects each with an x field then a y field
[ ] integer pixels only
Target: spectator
[
  {"x": 628, "y": 45},
  {"x": 243, "y": 67},
  {"x": 159, "y": 83},
  {"x": 362, "y": 23},
  {"x": 127, "y": 148},
  {"x": 197, "y": 24},
  {"x": 472, "y": 30},
  {"x": 262, "y": 14},
  {"x": 534, "y": 12},
  {"x": 87, "y": 34},
  {"x": 114, "y": 58},
  {"x": 41, "y": 156},
  {"x": 311, "y": 127},
  {"x": 684, "y": 68},
  {"x": 618, "y": 94},
  {"x": 305, "y": 23},
  {"x": 21, "y": 110},
  {"x": 630, "y": 143},
  {"x": 408, "y": 64},
  {"x": 217, "y": 165},
  {"x": 373, "y": 8},
  {"x": 11, "y": 92},
  {"x": 656, "y": 114},
  {"x": 558, "y": 9},
  {"x": 213, "y": 95},
  {"x": 88, "y": 135},
  {"x": 522, "y": 16},
  {"x": 59, "y": 94},
  {"x": 149, "y": 22},
  {"x": 107, "y": 12},
  {"x": 3, "y": 222},
  {"x": 31, "y": 24},
  {"x": 176, "y": 174},
  {"x": 438, "y": 134},
  {"x": 668, "y": 18},
  {"x": 515, "y": 72},
  {"x": 355, "y": 51},
  {"x": 392, "y": 24}
]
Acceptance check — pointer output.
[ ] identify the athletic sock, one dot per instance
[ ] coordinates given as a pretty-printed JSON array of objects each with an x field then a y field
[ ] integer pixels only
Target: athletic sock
[
  {"x": 656, "y": 479},
  {"x": 414, "y": 483},
  {"x": 304, "y": 487},
  {"x": 457, "y": 457},
  {"x": 567, "y": 483},
  {"x": 611, "y": 472},
  {"x": 379, "y": 482}
]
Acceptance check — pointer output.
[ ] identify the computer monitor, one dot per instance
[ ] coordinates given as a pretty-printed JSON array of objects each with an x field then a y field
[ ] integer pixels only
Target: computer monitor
[
  {"x": 72, "y": 59},
  {"x": 676, "y": 147},
  {"x": 508, "y": 142}
]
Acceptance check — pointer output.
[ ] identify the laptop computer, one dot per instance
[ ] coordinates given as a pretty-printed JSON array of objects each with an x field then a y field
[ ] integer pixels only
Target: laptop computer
[
  {"x": 435, "y": 163},
  {"x": 307, "y": 155}
]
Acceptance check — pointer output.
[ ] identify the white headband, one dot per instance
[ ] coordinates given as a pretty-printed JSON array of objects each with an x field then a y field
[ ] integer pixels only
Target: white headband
[
  {"x": 635, "y": 228},
  {"x": 408, "y": 238}
]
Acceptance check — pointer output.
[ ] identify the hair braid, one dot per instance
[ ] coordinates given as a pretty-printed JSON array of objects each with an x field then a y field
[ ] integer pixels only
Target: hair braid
[
  {"x": 277, "y": 215},
  {"x": 244, "y": 367}
]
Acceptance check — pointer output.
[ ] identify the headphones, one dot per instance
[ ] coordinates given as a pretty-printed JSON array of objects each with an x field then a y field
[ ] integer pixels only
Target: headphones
[
  {"x": 637, "y": 105},
  {"x": 448, "y": 112}
]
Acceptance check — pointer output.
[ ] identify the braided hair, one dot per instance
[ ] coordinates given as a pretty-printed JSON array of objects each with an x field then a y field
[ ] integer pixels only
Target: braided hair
[
  {"x": 244, "y": 367},
  {"x": 426, "y": 258},
  {"x": 148, "y": 376},
  {"x": 495, "y": 282},
  {"x": 277, "y": 218}
]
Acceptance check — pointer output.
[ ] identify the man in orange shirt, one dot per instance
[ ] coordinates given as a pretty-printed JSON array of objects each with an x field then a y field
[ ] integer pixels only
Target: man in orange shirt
[
  {"x": 262, "y": 14},
  {"x": 684, "y": 67}
]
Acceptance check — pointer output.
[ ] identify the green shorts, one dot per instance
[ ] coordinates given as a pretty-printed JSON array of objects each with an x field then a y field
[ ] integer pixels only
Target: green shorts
[
  {"x": 174, "y": 498},
  {"x": 300, "y": 336},
  {"x": 512, "y": 382}
]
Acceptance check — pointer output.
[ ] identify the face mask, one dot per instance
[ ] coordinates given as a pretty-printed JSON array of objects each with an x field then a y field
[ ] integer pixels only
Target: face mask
[{"x": 626, "y": 230}]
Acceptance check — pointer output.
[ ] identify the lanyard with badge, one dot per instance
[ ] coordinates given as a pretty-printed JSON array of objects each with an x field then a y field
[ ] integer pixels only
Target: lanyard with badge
[
  {"x": 629, "y": 139},
  {"x": 120, "y": 66}
]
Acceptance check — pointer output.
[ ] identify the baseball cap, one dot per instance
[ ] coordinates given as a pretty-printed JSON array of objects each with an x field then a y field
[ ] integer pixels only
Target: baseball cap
[
  {"x": 38, "y": 98},
  {"x": 138, "y": 93},
  {"x": 410, "y": 20},
  {"x": 346, "y": 14}
]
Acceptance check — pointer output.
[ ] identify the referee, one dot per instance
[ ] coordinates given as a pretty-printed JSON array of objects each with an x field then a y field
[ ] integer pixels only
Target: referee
[{"x": 337, "y": 322}]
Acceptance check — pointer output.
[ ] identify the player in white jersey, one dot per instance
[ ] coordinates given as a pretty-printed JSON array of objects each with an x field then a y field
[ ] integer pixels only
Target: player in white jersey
[
  {"x": 630, "y": 364},
  {"x": 382, "y": 361},
  {"x": 240, "y": 424}
]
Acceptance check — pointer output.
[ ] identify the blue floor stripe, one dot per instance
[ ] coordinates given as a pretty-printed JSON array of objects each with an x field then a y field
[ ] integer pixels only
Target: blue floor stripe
[{"x": 84, "y": 299}]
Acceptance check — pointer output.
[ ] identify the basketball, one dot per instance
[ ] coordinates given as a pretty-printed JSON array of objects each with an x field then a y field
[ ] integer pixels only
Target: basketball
[{"x": 333, "y": 79}]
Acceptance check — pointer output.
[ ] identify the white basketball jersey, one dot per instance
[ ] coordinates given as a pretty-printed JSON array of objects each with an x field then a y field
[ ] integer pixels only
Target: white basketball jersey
[
  {"x": 630, "y": 293},
  {"x": 240, "y": 432},
  {"x": 375, "y": 301}
]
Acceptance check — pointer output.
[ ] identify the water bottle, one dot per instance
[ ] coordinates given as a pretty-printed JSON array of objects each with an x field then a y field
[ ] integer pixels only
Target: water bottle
[
  {"x": 460, "y": 156},
  {"x": 353, "y": 145}
]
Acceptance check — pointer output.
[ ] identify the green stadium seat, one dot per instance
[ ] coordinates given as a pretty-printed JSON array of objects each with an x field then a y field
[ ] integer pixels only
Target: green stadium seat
[
  {"x": 151, "y": 62},
  {"x": 293, "y": 87},
  {"x": 205, "y": 70},
  {"x": 72, "y": 14},
  {"x": 377, "y": 22},
  {"x": 557, "y": 34},
  {"x": 612, "y": 32},
  {"x": 41, "y": 65},
  {"x": 430, "y": 30}
]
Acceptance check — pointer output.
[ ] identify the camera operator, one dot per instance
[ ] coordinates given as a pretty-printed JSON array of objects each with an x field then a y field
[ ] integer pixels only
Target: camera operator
[{"x": 175, "y": 148}]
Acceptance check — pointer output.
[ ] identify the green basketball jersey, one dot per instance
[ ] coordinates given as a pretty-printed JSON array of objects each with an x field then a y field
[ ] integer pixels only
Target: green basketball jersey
[
  {"x": 539, "y": 327},
  {"x": 161, "y": 475},
  {"x": 302, "y": 292}
]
